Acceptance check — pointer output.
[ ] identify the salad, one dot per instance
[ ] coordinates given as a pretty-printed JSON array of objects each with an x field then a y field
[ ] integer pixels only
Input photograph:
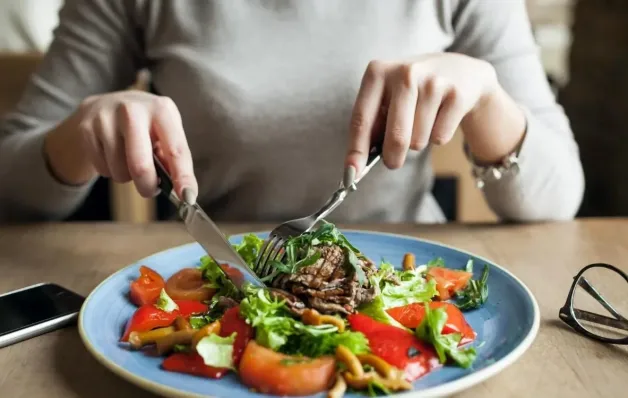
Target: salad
[{"x": 330, "y": 320}]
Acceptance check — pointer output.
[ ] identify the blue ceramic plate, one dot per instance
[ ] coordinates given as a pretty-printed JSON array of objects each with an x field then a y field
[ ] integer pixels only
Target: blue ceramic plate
[{"x": 506, "y": 325}]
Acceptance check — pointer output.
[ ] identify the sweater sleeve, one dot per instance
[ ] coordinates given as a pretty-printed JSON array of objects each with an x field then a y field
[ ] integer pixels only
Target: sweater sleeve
[
  {"x": 95, "y": 50},
  {"x": 550, "y": 184}
]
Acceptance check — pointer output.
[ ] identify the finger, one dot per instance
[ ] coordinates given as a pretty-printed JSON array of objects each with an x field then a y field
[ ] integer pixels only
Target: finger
[
  {"x": 448, "y": 119},
  {"x": 365, "y": 115},
  {"x": 113, "y": 147},
  {"x": 116, "y": 159},
  {"x": 169, "y": 128},
  {"x": 134, "y": 122},
  {"x": 94, "y": 148},
  {"x": 430, "y": 98},
  {"x": 400, "y": 119}
]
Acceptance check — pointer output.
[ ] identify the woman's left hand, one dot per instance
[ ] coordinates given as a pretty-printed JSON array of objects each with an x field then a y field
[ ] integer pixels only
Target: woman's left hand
[{"x": 416, "y": 102}]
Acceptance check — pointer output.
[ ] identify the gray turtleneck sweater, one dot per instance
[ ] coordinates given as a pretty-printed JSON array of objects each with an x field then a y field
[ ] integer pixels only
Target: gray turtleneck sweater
[{"x": 265, "y": 89}]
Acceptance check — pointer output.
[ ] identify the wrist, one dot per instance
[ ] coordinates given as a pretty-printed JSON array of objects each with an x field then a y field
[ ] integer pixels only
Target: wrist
[
  {"x": 67, "y": 160},
  {"x": 494, "y": 128}
]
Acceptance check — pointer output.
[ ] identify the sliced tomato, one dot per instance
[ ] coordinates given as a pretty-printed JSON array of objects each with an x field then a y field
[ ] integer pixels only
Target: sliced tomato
[
  {"x": 149, "y": 317},
  {"x": 192, "y": 363},
  {"x": 232, "y": 322},
  {"x": 188, "y": 284},
  {"x": 397, "y": 346},
  {"x": 146, "y": 288},
  {"x": 234, "y": 274},
  {"x": 269, "y": 372},
  {"x": 412, "y": 315},
  {"x": 448, "y": 281}
]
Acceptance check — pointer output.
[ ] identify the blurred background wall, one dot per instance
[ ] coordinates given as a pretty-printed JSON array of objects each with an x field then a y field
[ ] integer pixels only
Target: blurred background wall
[{"x": 26, "y": 25}]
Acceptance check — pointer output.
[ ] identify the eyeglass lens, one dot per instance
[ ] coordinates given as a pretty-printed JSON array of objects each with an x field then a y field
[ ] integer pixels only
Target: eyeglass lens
[{"x": 600, "y": 303}]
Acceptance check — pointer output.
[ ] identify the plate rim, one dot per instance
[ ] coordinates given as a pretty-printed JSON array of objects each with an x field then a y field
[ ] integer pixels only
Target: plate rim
[{"x": 445, "y": 389}]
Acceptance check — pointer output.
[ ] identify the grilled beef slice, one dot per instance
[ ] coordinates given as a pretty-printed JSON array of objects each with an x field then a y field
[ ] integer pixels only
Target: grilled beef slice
[{"x": 330, "y": 285}]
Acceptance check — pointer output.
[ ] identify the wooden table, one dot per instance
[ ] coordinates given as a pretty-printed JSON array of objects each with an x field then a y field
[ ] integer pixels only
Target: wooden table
[{"x": 560, "y": 363}]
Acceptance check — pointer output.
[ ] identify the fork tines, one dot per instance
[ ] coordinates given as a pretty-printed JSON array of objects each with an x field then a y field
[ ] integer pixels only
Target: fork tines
[{"x": 270, "y": 251}]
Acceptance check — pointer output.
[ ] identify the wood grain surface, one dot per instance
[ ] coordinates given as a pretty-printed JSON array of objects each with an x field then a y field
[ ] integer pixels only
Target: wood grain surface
[{"x": 560, "y": 363}]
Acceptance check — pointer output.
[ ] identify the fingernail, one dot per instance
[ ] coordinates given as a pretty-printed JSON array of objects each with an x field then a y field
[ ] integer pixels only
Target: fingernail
[
  {"x": 189, "y": 196},
  {"x": 349, "y": 176}
]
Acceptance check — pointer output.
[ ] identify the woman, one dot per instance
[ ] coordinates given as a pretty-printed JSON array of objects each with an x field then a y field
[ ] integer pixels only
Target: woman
[{"x": 259, "y": 105}]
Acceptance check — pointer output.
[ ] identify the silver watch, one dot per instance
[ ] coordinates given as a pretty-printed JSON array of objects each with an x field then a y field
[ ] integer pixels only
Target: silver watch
[{"x": 483, "y": 174}]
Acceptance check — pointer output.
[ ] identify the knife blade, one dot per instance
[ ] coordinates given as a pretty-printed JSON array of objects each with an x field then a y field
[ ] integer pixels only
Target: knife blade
[{"x": 201, "y": 227}]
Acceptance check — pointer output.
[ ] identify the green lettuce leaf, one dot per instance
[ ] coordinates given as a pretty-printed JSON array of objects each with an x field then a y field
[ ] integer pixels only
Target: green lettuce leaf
[
  {"x": 446, "y": 345},
  {"x": 217, "y": 351},
  {"x": 436, "y": 262},
  {"x": 414, "y": 288},
  {"x": 165, "y": 303},
  {"x": 376, "y": 309},
  {"x": 278, "y": 330},
  {"x": 312, "y": 345},
  {"x": 249, "y": 248},
  {"x": 216, "y": 279},
  {"x": 268, "y": 316}
]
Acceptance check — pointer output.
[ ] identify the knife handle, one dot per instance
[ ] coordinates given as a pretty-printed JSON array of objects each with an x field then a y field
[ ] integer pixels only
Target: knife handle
[
  {"x": 164, "y": 181},
  {"x": 375, "y": 153}
]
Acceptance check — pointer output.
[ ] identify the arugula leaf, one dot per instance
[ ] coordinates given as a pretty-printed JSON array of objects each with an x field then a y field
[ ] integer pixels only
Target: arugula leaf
[
  {"x": 352, "y": 260},
  {"x": 217, "y": 351},
  {"x": 165, "y": 303},
  {"x": 300, "y": 252},
  {"x": 214, "y": 313},
  {"x": 475, "y": 294},
  {"x": 430, "y": 331}
]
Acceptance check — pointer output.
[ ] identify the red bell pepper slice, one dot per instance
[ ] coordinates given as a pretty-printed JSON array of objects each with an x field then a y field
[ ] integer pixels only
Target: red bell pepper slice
[
  {"x": 190, "y": 307},
  {"x": 146, "y": 288},
  {"x": 232, "y": 322},
  {"x": 396, "y": 346},
  {"x": 193, "y": 364},
  {"x": 411, "y": 316},
  {"x": 149, "y": 317}
]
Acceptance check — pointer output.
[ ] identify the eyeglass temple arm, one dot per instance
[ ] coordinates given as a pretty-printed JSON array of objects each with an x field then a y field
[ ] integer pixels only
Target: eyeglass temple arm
[
  {"x": 601, "y": 319},
  {"x": 584, "y": 283}
]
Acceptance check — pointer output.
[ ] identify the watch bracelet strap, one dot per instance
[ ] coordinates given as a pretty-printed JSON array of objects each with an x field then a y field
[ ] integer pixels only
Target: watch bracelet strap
[{"x": 509, "y": 164}]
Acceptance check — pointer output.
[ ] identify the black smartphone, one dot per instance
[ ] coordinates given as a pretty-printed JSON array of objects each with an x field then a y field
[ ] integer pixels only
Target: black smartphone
[{"x": 35, "y": 310}]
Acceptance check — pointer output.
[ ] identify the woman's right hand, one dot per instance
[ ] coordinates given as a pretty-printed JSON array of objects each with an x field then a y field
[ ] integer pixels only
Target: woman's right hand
[{"x": 119, "y": 132}]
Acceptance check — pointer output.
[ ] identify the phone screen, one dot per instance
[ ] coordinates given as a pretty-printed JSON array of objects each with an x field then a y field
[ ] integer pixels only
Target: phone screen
[{"x": 35, "y": 305}]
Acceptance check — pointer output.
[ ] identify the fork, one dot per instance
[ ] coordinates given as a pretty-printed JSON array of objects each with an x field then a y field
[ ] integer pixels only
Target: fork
[{"x": 272, "y": 251}]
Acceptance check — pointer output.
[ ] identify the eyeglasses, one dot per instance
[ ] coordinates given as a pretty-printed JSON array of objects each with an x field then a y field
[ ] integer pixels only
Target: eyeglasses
[{"x": 599, "y": 317}]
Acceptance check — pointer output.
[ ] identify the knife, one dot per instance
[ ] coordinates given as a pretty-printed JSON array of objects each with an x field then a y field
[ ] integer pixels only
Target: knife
[{"x": 207, "y": 234}]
